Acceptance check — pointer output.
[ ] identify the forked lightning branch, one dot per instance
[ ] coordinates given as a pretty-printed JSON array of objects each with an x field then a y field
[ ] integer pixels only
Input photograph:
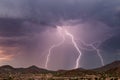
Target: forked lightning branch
[{"x": 63, "y": 33}]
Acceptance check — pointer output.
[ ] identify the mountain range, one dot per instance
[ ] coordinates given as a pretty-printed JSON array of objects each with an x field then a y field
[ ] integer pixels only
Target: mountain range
[{"x": 113, "y": 67}]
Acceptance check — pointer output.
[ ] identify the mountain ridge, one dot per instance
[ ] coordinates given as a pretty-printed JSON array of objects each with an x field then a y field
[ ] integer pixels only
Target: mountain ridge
[{"x": 109, "y": 68}]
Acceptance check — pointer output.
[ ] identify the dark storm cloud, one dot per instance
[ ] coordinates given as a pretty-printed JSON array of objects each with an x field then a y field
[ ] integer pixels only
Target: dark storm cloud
[
  {"x": 17, "y": 27},
  {"x": 19, "y": 33},
  {"x": 10, "y": 27},
  {"x": 112, "y": 45},
  {"x": 111, "y": 49},
  {"x": 48, "y": 12},
  {"x": 54, "y": 10}
]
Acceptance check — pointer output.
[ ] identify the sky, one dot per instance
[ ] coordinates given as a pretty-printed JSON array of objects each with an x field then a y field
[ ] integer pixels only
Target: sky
[{"x": 28, "y": 28}]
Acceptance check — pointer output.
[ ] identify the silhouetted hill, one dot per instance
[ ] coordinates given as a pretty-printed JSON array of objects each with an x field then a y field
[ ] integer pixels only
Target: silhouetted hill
[
  {"x": 31, "y": 69},
  {"x": 34, "y": 69},
  {"x": 6, "y": 69},
  {"x": 112, "y": 68},
  {"x": 112, "y": 65},
  {"x": 116, "y": 69},
  {"x": 74, "y": 72}
]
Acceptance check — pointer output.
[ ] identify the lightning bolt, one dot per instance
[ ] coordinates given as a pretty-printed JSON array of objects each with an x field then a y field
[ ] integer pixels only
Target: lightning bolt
[
  {"x": 96, "y": 49},
  {"x": 54, "y": 46},
  {"x": 75, "y": 45},
  {"x": 98, "y": 53},
  {"x": 62, "y": 31}
]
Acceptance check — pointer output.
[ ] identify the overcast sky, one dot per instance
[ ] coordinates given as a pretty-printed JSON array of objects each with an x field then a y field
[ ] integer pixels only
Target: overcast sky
[{"x": 28, "y": 29}]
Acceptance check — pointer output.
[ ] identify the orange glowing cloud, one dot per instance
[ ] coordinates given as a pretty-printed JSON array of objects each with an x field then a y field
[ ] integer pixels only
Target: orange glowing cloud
[{"x": 5, "y": 57}]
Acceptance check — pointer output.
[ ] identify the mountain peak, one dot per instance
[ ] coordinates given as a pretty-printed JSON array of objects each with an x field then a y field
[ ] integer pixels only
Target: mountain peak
[
  {"x": 109, "y": 66},
  {"x": 116, "y": 62},
  {"x": 7, "y": 66},
  {"x": 33, "y": 67}
]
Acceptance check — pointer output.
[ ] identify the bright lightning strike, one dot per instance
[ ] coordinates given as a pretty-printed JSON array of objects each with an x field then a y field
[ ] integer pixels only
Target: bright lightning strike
[
  {"x": 75, "y": 45},
  {"x": 54, "y": 46},
  {"x": 64, "y": 32},
  {"x": 97, "y": 51}
]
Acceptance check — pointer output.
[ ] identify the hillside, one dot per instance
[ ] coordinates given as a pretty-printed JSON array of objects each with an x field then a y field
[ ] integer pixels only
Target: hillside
[
  {"x": 112, "y": 68},
  {"x": 31, "y": 69},
  {"x": 115, "y": 64}
]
